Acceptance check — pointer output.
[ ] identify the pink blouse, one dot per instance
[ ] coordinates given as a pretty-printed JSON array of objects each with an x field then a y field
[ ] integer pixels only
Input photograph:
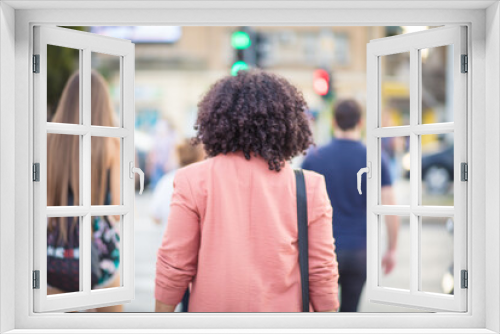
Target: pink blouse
[{"x": 232, "y": 232}]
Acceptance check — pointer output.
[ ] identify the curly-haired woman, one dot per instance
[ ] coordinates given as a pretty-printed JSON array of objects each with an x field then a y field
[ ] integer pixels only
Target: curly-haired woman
[{"x": 232, "y": 229}]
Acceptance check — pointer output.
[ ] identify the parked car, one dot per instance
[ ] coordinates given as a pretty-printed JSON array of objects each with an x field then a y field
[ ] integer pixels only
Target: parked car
[{"x": 437, "y": 171}]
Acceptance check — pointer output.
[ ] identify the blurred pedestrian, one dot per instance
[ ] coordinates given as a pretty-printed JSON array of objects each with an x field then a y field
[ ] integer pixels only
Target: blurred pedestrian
[
  {"x": 160, "y": 159},
  {"x": 186, "y": 154},
  {"x": 232, "y": 228},
  {"x": 63, "y": 189},
  {"x": 339, "y": 161},
  {"x": 394, "y": 148}
]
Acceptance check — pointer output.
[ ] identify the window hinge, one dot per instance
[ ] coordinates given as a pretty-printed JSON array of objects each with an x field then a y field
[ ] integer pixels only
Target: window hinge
[
  {"x": 464, "y": 279},
  {"x": 36, "y": 172},
  {"x": 36, "y": 279},
  {"x": 464, "y": 171},
  {"x": 36, "y": 63},
  {"x": 465, "y": 64}
]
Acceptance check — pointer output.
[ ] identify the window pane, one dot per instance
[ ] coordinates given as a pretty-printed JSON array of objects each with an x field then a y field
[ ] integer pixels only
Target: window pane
[
  {"x": 395, "y": 90},
  {"x": 63, "y": 255},
  {"x": 63, "y": 170},
  {"x": 437, "y": 169},
  {"x": 63, "y": 85},
  {"x": 436, "y": 251},
  {"x": 105, "y": 87},
  {"x": 105, "y": 250},
  {"x": 437, "y": 84},
  {"x": 106, "y": 171},
  {"x": 399, "y": 277},
  {"x": 395, "y": 169}
]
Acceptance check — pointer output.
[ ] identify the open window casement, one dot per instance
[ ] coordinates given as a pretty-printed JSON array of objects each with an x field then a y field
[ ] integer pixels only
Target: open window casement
[
  {"x": 415, "y": 129},
  {"x": 82, "y": 214}
]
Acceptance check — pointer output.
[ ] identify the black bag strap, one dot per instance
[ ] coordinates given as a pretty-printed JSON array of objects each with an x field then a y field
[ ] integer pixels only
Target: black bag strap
[{"x": 303, "y": 237}]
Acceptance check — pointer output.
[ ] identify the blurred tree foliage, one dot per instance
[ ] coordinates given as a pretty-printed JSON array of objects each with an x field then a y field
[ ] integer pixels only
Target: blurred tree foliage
[{"x": 61, "y": 64}]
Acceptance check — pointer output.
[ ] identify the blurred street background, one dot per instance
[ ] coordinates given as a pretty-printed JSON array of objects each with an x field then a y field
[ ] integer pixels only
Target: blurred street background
[{"x": 175, "y": 66}]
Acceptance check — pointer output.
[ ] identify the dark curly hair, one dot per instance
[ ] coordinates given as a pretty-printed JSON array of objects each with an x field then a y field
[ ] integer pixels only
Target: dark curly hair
[{"x": 257, "y": 113}]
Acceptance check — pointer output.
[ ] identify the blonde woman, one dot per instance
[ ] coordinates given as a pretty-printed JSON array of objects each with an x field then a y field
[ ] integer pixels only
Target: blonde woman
[{"x": 63, "y": 189}]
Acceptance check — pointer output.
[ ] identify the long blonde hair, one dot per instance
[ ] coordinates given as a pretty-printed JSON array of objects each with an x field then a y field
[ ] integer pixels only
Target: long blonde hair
[{"x": 63, "y": 175}]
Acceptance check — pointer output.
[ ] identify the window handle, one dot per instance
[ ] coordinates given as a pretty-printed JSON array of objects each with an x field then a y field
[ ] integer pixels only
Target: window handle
[
  {"x": 139, "y": 171},
  {"x": 368, "y": 171}
]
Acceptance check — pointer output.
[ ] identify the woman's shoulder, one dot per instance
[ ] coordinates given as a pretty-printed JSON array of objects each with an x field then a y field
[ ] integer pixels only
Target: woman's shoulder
[
  {"x": 194, "y": 170},
  {"x": 220, "y": 163},
  {"x": 313, "y": 179}
]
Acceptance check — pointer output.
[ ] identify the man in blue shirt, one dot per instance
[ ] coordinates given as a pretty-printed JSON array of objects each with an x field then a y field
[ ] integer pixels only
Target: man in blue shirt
[{"x": 339, "y": 161}]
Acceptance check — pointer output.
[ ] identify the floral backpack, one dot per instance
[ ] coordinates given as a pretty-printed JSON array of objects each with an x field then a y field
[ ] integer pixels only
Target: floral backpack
[{"x": 63, "y": 257}]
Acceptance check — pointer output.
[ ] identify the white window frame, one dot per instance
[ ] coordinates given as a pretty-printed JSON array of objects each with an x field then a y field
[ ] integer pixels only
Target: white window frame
[
  {"x": 483, "y": 100},
  {"x": 411, "y": 44},
  {"x": 86, "y": 43}
]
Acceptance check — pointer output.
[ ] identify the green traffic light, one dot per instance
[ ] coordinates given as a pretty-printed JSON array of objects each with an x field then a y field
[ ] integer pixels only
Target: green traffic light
[
  {"x": 240, "y": 40},
  {"x": 238, "y": 66}
]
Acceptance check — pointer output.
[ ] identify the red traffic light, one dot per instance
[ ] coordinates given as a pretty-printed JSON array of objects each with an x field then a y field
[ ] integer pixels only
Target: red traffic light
[{"x": 321, "y": 82}]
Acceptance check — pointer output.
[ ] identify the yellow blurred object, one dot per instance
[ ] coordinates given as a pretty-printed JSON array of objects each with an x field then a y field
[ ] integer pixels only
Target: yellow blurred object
[
  {"x": 392, "y": 90},
  {"x": 429, "y": 117}
]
